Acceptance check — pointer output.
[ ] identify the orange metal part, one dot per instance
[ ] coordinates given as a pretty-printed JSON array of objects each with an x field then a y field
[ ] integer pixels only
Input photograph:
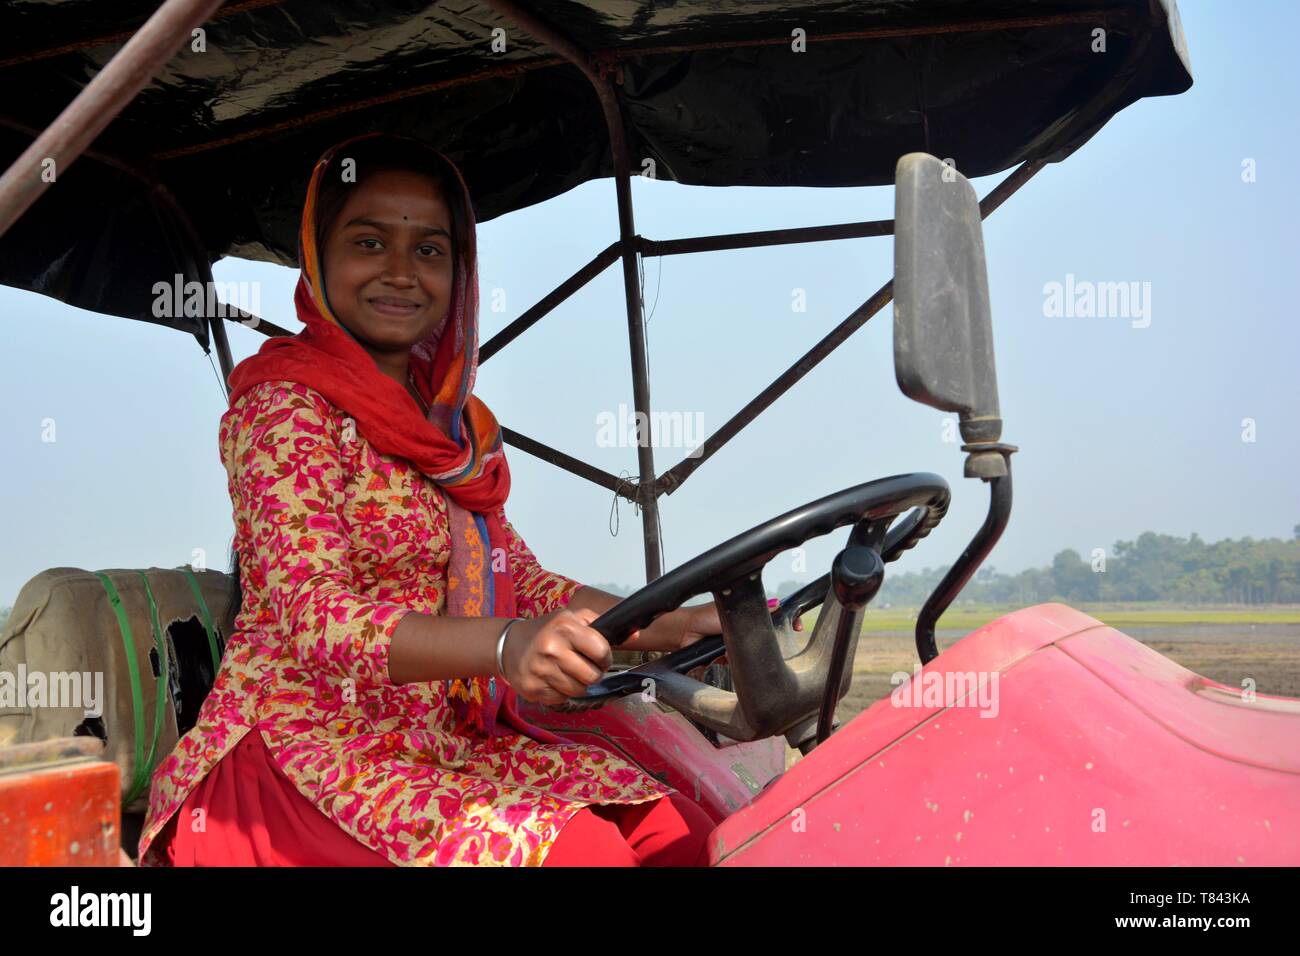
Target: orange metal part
[{"x": 65, "y": 812}]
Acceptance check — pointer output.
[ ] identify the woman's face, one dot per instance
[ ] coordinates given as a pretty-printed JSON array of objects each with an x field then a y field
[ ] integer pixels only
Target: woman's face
[{"x": 388, "y": 261}]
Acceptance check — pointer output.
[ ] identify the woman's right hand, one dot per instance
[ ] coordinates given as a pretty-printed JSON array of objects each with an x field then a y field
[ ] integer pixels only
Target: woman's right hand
[{"x": 551, "y": 658}]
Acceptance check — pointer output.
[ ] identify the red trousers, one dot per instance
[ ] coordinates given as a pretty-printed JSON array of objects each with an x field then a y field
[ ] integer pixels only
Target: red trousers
[{"x": 246, "y": 812}]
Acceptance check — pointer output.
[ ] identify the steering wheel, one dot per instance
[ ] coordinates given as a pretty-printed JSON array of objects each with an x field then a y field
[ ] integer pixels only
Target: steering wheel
[{"x": 781, "y": 680}]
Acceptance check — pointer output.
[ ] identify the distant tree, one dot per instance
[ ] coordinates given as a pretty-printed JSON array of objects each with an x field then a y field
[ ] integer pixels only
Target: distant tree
[
  {"x": 1073, "y": 578},
  {"x": 1151, "y": 567}
]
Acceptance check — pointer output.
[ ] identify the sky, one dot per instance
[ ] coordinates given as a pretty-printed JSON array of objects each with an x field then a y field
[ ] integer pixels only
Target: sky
[{"x": 1176, "y": 418}]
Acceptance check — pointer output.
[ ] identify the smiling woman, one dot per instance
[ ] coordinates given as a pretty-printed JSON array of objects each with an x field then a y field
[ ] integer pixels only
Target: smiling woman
[
  {"x": 389, "y": 241},
  {"x": 364, "y": 712}
]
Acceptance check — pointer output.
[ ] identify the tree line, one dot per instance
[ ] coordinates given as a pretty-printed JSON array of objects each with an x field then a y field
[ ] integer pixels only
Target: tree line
[{"x": 1155, "y": 567}]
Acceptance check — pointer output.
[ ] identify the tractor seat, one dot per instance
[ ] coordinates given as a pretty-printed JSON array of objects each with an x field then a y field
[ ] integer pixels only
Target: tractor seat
[{"x": 124, "y": 655}]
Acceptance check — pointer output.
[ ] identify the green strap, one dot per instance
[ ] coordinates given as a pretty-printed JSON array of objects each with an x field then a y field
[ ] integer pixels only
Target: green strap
[
  {"x": 160, "y": 706},
  {"x": 137, "y": 698},
  {"x": 207, "y": 618}
]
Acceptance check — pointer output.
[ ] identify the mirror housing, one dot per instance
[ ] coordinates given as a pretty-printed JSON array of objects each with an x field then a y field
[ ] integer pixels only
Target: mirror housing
[{"x": 943, "y": 329}]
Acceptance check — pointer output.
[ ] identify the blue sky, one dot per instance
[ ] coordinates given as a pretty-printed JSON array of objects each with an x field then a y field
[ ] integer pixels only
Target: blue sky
[{"x": 1122, "y": 429}]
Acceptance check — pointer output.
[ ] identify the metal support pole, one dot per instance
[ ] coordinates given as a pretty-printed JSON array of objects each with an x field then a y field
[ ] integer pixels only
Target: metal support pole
[
  {"x": 647, "y": 487},
  {"x": 218, "y": 327},
  {"x": 647, "y": 490},
  {"x": 548, "y": 302},
  {"x": 672, "y": 479},
  {"x": 558, "y": 458},
  {"x": 98, "y": 104}
]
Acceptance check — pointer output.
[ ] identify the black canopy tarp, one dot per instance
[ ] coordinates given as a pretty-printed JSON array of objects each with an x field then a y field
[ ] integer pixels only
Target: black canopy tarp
[{"x": 715, "y": 93}]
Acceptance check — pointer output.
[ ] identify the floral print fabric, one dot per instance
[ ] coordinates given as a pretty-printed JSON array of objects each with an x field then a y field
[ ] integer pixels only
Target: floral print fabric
[{"x": 337, "y": 543}]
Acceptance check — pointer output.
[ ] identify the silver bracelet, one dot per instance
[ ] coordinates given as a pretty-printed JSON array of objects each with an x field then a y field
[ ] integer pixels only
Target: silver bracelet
[{"x": 501, "y": 648}]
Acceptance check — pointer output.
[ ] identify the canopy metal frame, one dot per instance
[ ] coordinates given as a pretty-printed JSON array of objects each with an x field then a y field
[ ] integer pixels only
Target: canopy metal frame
[{"x": 149, "y": 48}]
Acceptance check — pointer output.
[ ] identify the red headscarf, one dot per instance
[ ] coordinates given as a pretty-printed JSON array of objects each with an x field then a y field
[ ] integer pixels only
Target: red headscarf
[{"x": 457, "y": 445}]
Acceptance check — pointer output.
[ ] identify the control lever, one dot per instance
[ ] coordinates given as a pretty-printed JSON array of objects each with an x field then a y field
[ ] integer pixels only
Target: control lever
[{"x": 856, "y": 575}]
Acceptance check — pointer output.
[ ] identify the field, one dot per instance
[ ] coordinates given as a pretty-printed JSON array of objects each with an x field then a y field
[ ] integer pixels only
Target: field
[{"x": 1226, "y": 644}]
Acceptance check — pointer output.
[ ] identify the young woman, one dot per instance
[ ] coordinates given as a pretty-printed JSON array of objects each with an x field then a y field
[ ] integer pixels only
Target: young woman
[{"x": 364, "y": 713}]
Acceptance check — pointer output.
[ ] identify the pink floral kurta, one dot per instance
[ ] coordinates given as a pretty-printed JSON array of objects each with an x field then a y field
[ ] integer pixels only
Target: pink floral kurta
[{"x": 337, "y": 542}]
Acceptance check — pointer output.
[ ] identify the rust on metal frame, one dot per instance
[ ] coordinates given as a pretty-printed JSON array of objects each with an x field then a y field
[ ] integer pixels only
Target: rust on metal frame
[
  {"x": 99, "y": 103},
  {"x": 134, "y": 169},
  {"x": 672, "y": 479},
  {"x": 316, "y": 116},
  {"x": 1102, "y": 18},
  {"x": 571, "y": 464},
  {"x": 607, "y": 61},
  {"x": 672, "y": 247},
  {"x": 599, "y": 263},
  {"x": 768, "y": 237},
  {"x": 598, "y": 71},
  {"x": 147, "y": 50},
  {"x": 164, "y": 195},
  {"x": 121, "y": 36}
]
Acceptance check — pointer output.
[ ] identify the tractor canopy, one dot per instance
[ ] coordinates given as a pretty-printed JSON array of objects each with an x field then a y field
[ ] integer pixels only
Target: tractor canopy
[{"x": 212, "y": 158}]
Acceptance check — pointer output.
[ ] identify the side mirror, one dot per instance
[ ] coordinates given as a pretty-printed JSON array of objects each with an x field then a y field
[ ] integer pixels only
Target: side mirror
[{"x": 943, "y": 331}]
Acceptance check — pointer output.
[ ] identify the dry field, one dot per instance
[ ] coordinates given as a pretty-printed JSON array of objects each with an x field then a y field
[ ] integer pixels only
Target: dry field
[{"x": 1227, "y": 653}]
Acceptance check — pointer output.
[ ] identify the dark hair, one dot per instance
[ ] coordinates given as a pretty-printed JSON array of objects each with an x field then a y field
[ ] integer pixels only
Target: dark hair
[{"x": 389, "y": 154}]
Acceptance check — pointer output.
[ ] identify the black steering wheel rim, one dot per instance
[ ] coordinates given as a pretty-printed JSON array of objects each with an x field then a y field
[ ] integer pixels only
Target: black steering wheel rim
[{"x": 926, "y": 494}]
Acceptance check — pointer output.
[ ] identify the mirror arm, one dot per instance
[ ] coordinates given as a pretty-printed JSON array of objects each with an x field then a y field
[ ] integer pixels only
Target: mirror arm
[{"x": 986, "y": 457}]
